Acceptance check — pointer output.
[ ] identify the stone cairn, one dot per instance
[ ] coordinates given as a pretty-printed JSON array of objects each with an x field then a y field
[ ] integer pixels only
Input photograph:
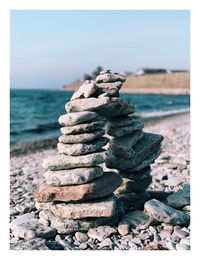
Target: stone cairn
[{"x": 79, "y": 189}]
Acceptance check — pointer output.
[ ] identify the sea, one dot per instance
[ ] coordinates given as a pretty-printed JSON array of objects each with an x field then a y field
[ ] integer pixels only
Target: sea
[{"x": 34, "y": 112}]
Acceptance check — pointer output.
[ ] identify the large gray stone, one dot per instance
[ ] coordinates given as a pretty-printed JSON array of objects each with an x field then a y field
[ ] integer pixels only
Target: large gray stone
[
  {"x": 72, "y": 176},
  {"x": 104, "y": 106},
  {"x": 163, "y": 213},
  {"x": 81, "y": 138},
  {"x": 129, "y": 186},
  {"x": 83, "y": 128},
  {"x": 68, "y": 226},
  {"x": 136, "y": 175},
  {"x": 95, "y": 189},
  {"x": 82, "y": 148},
  {"x": 180, "y": 198},
  {"x": 85, "y": 90},
  {"x": 24, "y": 226},
  {"x": 100, "y": 208},
  {"x": 123, "y": 146},
  {"x": 72, "y": 119},
  {"x": 135, "y": 219},
  {"x": 121, "y": 121},
  {"x": 63, "y": 162},
  {"x": 125, "y": 130},
  {"x": 110, "y": 77}
]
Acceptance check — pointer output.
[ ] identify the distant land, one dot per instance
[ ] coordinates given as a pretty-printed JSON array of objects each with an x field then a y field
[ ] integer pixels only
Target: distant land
[{"x": 176, "y": 83}]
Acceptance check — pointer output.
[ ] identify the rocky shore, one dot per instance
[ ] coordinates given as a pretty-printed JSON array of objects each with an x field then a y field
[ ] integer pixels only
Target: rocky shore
[{"x": 171, "y": 174}]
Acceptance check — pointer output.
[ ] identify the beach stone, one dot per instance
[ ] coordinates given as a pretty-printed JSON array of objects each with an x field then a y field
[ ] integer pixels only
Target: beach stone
[
  {"x": 102, "y": 232},
  {"x": 81, "y": 138},
  {"x": 76, "y": 118},
  {"x": 106, "y": 243},
  {"x": 121, "y": 121},
  {"x": 137, "y": 175},
  {"x": 180, "y": 198},
  {"x": 82, "y": 148},
  {"x": 182, "y": 247},
  {"x": 110, "y": 85},
  {"x": 110, "y": 77},
  {"x": 104, "y": 106},
  {"x": 108, "y": 89},
  {"x": 98, "y": 208},
  {"x": 159, "y": 195},
  {"x": 123, "y": 146},
  {"x": 69, "y": 226},
  {"x": 63, "y": 162},
  {"x": 82, "y": 128},
  {"x": 85, "y": 90},
  {"x": 148, "y": 145},
  {"x": 81, "y": 237},
  {"x": 97, "y": 188},
  {"x": 134, "y": 186},
  {"x": 180, "y": 233},
  {"x": 24, "y": 226},
  {"x": 164, "y": 213},
  {"x": 45, "y": 232},
  {"x": 125, "y": 130},
  {"x": 72, "y": 176},
  {"x": 83, "y": 246}
]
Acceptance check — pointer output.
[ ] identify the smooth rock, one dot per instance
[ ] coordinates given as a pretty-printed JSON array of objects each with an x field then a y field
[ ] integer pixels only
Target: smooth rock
[
  {"x": 125, "y": 130},
  {"x": 180, "y": 198},
  {"x": 164, "y": 213},
  {"x": 136, "y": 175},
  {"x": 82, "y": 148},
  {"x": 129, "y": 186},
  {"x": 85, "y": 90},
  {"x": 102, "y": 232},
  {"x": 83, "y": 246},
  {"x": 63, "y": 162},
  {"x": 97, "y": 188},
  {"x": 67, "y": 226},
  {"x": 45, "y": 232},
  {"x": 105, "y": 106},
  {"x": 72, "y": 176},
  {"x": 182, "y": 247},
  {"x": 81, "y": 138},
  {"x": 101, "y": 208},
  {"x": 110, "y": 77},
  {"x": 82, "y": 128},
  {"x": 106, "y": 243},
  {"x": 121, "y": 121},
  {"x": 24, "y": 226},
  {"x": 81, "y": 237},
  {"x": 136, "y": 219},
  {"x": 180, "y": 233},
  {"x": 124, "y": 229},
  {"x": 123, "y": 146},
  {"x": 72, "y": 119}
]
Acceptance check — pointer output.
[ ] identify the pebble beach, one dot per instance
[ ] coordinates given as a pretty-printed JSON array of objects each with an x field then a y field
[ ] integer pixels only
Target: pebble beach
[{"x": 170, "y": 172}]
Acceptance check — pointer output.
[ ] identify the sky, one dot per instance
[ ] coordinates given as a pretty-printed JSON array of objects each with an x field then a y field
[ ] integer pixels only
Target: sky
[{"x": 51, "y": 48}]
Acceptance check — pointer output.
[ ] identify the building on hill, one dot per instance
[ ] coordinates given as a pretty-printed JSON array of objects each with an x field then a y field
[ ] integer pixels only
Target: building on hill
[{"x": 145, "y": 71}]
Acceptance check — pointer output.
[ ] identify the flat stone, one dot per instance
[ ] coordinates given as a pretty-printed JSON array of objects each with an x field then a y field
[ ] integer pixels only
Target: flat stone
[
  {"x": 137, "y": 175},
  {"x": 104, "y": 106},
  {"x": 133, "y": 200},
  {"x": 135, "y": 219},
  {"x": 85, "y": 90},
  {"x": 110, "y": 77},
  {"x": 63, "y": 162},
  {"x": 45, "y": 232},
  {"x": 125, "y": 130},
  {"x": 121, "y": 121},
  {"x": 81, "y": 237},
  {"x": 159, "y": 195},
  {"x": 123, "y": 146},
  {"x": 101, "y": 233},
  {"x": 82, "y": 148},
  {"x": 82, "y": 128},
  {"x": 68, "y": 226},
  {"x": 134, "y": 186},
  {"x": 24, "y": 226},
  {"x": 72, "y": 176},
  {"x": 146, "y": 147},
  {"x": 96, "y": 189},
  {"x": 164, "y": 213},
  {"x": 108, "y": 89},
  {"x": 180, "y": 198},
  {"x": 81, "y": 138},
  {"x": 72, "y": 119},
  {"x": 100, "y": 208}
]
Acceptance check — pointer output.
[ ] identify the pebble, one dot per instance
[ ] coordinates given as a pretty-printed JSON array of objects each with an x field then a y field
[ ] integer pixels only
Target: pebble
[
  {"x": 185, "y": 241},
  {"x": 102, "y": 232},
  {"x": 170, "y": 245},
  {"x": 182, "y": 247},
  {"x": 83, "y": 246},
  {"x": 106, "y": 243},
  {"x": 81, "y": 237},
  {"x": 58, "y": 238},
  {"x": 180, "y": 233},
  {"x": 45, "y": 232}
]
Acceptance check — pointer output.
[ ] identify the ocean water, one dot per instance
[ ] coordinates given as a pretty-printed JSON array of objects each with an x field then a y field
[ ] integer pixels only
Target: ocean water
[{"x": 34, "y": 113}]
